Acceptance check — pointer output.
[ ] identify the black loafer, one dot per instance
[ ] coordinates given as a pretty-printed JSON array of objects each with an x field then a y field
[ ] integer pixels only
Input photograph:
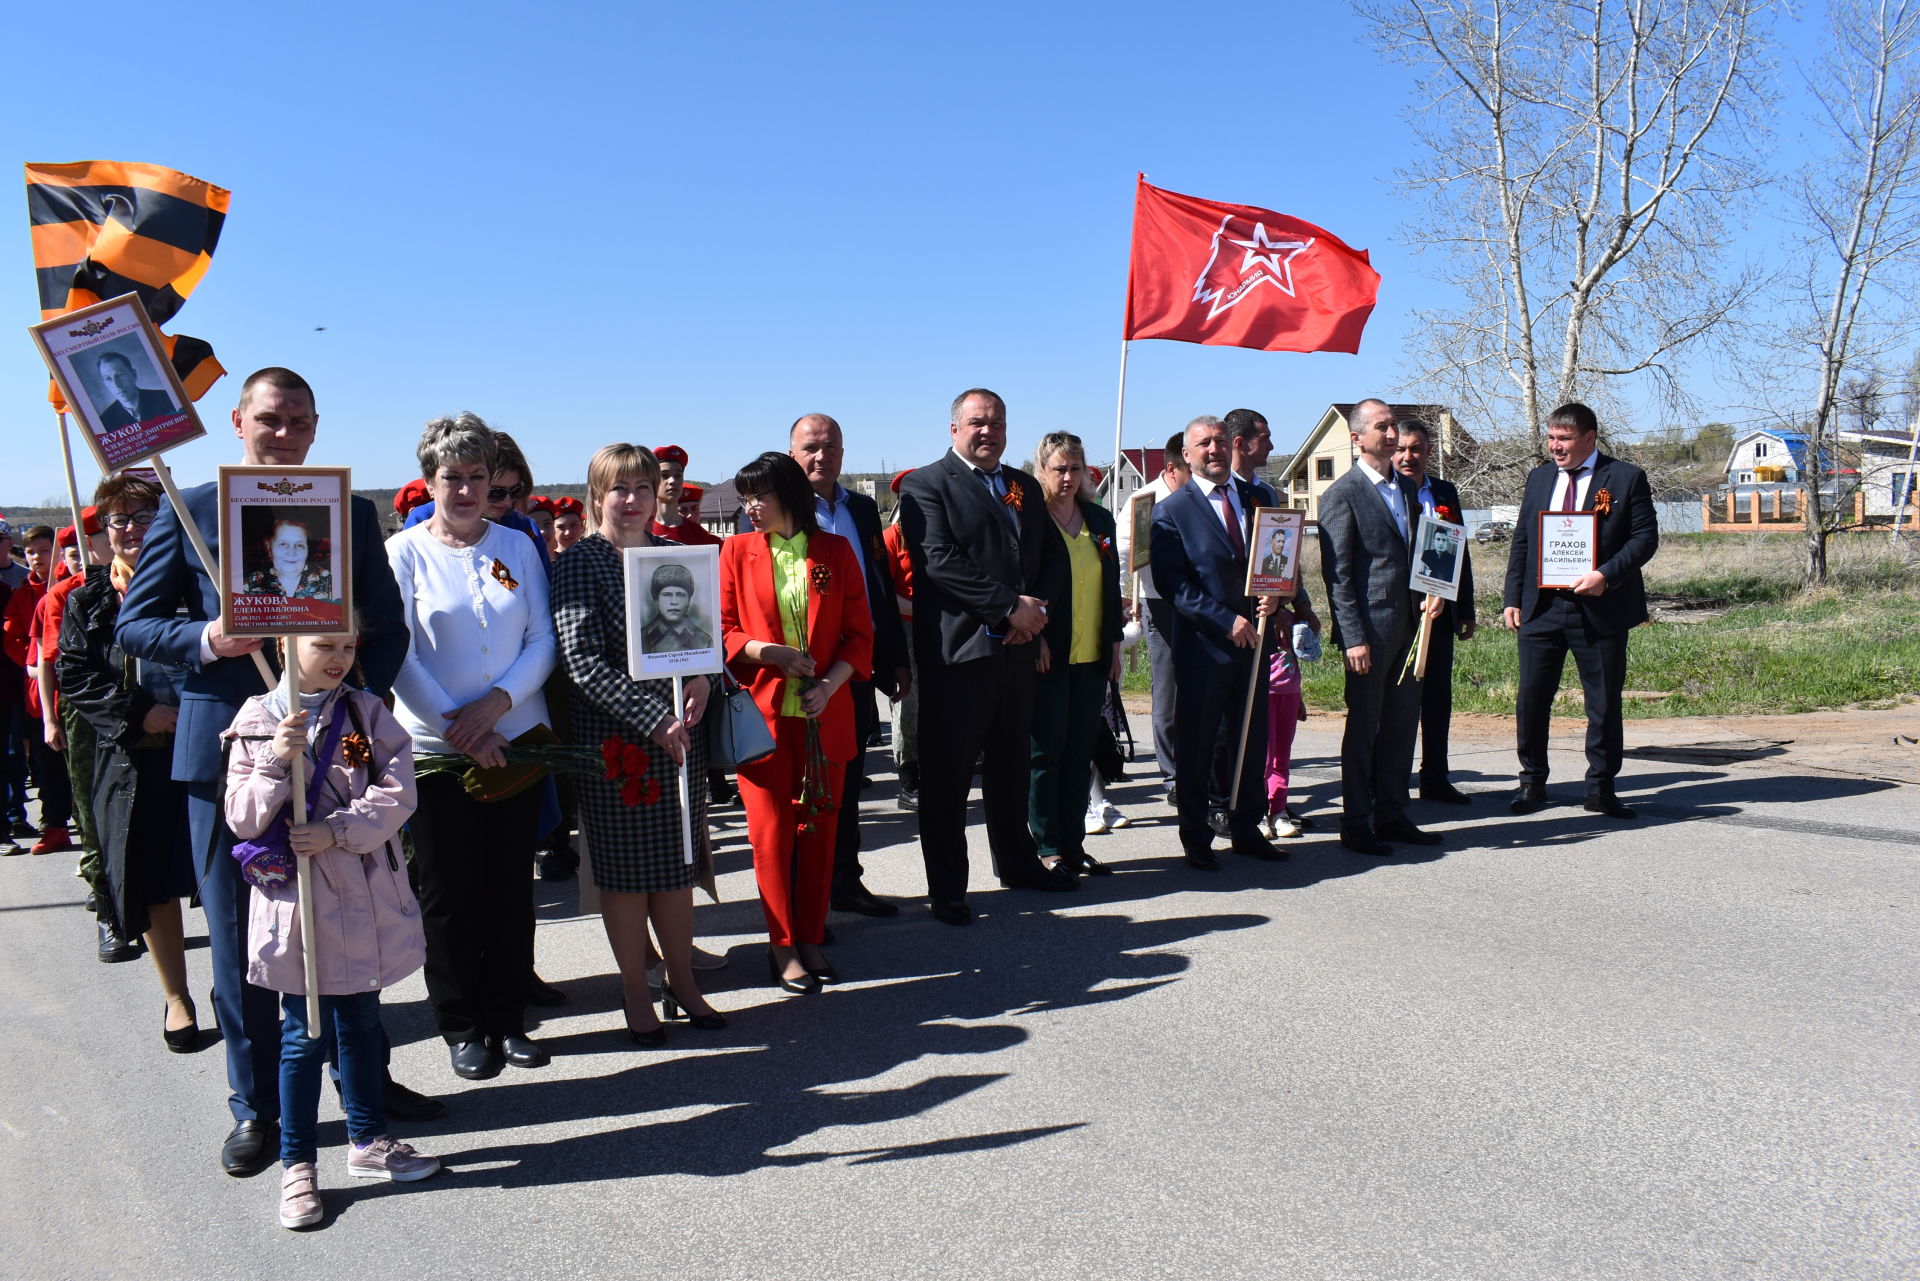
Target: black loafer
[
  {"x": 540, "y": 992},
  {"x": 1406, "y": 833},
  {"x": 866, "y": 903},
  {"x": 953, "y": 913},
  {"x": 1255, "y": 846},
  {"x": 1042, "y": 878},
  {"x": 1530, "y": 799},
  {"x": 249, "y": 1148},
  {"x": 402, "y": 1104},
  {"x": 1444, "y": 791},
  {"x": 523, "y": 1053},
  {"x": 1203, "y": 860},
  {"x": 475, "y": 1061},
  {"x": 1609, "y": 804},
  {"x": 1364, "y": 842}
]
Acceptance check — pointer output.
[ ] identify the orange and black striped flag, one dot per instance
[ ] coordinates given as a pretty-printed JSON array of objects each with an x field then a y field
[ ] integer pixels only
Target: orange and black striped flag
[{"x": 102, "y": 228}]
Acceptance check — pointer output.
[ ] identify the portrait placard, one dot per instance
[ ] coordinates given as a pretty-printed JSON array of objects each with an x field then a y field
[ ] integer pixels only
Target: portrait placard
[
  {"x": 1273, "y": 567},
  {"x": 673, "y": 611},
  {"x": 285, "y": 563},
  {"x": 109, "y": 365},
  {"x": 1139, "y": 529},
  {"x": 1568, "y": 547},
  {"x": 1439, "y": 554}
]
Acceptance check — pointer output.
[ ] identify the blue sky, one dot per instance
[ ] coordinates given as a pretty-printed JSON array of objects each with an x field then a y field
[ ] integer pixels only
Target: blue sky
[{"x": 693, "y": 223}]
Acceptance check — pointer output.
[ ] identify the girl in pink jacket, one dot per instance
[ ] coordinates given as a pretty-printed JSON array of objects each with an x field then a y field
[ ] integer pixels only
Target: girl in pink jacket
[{"x": 367, "y": 932}]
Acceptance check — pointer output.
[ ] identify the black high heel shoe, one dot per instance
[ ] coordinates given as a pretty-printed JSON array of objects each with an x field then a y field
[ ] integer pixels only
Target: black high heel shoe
[
  {"x": 799, "y": 987},
  {"x": 653, "y": 1039},
  {"x": 671, "y": 1008},
  {"x": 823, "y": 971},
  {"x": 182, "y": 1039}
]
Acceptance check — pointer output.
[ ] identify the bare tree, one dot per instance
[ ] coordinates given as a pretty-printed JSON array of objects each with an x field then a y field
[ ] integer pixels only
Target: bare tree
[
  {"x": 1858, "y": 208},
  {"x": 1581, "y": 161}
]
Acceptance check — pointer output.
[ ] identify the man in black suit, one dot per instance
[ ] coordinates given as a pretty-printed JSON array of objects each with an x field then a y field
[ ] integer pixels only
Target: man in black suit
[
  {"x": 172, "y": 614},
  {"x": 1592, "y": 617},
  {"x": 1439, "y": 499},
  {"x": 131, "y": 402},
  {"x": 1199, "y": 559},
  {"x": 815, "y": 442},
  {"x": 986, "y": 560},
  {"x": 1366, "y": 533}
]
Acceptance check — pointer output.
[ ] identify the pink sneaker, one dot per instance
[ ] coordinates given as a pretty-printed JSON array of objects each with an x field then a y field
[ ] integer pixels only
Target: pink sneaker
[
  {"x": 300, "y": 1196},
  {"x": 386, "y": 1158}
]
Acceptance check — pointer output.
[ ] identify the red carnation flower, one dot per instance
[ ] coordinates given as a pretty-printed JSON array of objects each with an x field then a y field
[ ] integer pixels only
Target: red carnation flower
[{"x": 633, "y": 760}]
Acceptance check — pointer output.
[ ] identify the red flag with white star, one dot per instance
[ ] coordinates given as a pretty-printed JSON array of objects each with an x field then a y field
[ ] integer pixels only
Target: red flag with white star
[{"x": 1238, "y": 276}]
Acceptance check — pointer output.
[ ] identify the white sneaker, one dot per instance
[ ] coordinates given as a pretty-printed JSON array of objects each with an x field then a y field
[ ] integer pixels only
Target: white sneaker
[
  {"x": 1112, "y": 814},
  {"x": 1097, "y": 823},
  {"x": 1280, "y": 827}
]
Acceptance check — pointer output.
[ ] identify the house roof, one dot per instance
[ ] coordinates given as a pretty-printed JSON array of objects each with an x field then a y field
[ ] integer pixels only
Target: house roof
[
  {"x": 1148, "y": 462},
  {"x": 1796, "y": 443},
  {"x": 1341, "y": 412}
]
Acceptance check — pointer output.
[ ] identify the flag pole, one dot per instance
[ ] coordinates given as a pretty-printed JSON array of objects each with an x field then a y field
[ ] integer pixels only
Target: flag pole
[
  {"x": 1255, "y": 684},
  {"x": 1119, "y": 420},
  {"x": 207, "y": 558},
  {"x": 73, "y": 492},
  {"x": 302, "y": 863}
]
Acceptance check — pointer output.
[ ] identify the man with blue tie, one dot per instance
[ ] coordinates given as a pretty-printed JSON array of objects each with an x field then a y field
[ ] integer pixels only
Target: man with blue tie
[
  {"x": 172, "y": 614},
  {"x": 1199, "y": 557},
  {"x": 1367, "y": 518},
  {"x": 986, "y": 560}
]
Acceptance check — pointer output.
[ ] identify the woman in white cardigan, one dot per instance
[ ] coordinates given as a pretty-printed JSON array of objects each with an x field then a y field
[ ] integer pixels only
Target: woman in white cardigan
[{"x": 476, "y": 605}]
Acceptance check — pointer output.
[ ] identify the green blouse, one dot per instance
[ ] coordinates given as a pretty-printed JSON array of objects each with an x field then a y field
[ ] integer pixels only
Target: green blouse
[{"x": 790, "y": 589}]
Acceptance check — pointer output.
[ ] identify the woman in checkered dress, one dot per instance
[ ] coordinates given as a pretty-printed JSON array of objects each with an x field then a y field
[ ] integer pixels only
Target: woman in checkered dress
[{"x": 632, "y": 821}]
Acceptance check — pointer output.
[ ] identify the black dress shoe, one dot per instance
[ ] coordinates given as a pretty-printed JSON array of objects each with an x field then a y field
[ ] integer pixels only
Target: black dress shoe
[
  {"x": 908, "y": 799},
  {"x": 1306, "y": 824},
  {"x": 523, "y": 1053},
  {"x": 1041, "y": 878},
  {"x": 1254, "y": 845},
  {"x": 1091, "y": 866},
  {"x": 475, "y": 1060},
  {"x": 860, "y": 899},
  {"x": 540, "y": 992},
  {"x": 180, "y": 1039},
  {"x": 953, "y": 912},
  {"x": 1402, "y": 830},
  {"x": 114, "y": 949},
  {"x": 1530, "y": 799},
  {"x": 1203, "y": 860},
  {"x": 559, "y": 865},
  {"x": 249, "y": 1148},
  {"x": 1442, "y": 790},
  {"x": 402, "y": 1104},
  {"x": 805, "y": 985},
  {"x": 1605, "y": 802},
  {"x": 1362, "y": 841}
]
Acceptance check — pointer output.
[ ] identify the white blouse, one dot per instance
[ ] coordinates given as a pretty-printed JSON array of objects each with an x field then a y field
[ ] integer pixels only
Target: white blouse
[{"x": 479, "y": 619}]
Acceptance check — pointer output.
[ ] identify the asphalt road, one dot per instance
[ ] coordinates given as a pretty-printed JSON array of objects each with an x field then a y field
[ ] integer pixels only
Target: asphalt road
[{"x": 1556, "y": 1047}]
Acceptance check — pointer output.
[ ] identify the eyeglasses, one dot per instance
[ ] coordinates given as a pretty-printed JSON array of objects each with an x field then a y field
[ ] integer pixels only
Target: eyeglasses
[
  {"x": 754, "y": 500},
  {"x": 122, "y": 520},
  {"x": 499, "y": 495}
]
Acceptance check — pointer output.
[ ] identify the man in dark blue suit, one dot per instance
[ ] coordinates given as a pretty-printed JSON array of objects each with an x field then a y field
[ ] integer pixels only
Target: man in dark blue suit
[
  {"x": 1591, "y": 618},
  {"x": 172, "y": 614},
  {"x": 1198, "y": 550}
]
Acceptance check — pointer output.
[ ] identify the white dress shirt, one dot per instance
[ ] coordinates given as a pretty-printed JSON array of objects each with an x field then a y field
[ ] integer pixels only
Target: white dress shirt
[
  {"x": 1582, "y": 480},
  {"x": 838, "y": 519},
  {"x": 471, "y": 632},
  {"x": 1388, "y": 487}
]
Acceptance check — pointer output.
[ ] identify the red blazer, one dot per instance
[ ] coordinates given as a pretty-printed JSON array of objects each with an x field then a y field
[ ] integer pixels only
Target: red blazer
[{"x": 839, "y": 625}]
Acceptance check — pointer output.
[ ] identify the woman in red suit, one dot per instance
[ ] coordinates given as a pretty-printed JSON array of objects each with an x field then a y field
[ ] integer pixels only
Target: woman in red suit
[{"x": 795, "y": 627}]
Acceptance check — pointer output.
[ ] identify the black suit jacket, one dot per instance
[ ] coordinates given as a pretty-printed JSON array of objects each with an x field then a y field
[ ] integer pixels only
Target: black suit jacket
[
  {"x": 1629, "y": 536},
  {"x": 1367, "y": 565},
  {"x": 969, "y": 568},
  {"x": 889, "y": 637},
  {"x": 153, "y": 404},
  {"x": 172, "y": 599},
  {"x": 1059, "y": 629},
  {"x": 1194, "y": 567}
]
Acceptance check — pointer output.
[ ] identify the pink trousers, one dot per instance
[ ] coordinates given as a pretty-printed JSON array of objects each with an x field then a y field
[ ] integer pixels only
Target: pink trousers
[{"x": 1283, "y": 718}]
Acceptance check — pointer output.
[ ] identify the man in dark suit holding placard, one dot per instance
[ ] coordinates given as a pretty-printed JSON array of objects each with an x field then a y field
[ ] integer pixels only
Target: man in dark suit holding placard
[
  {"x": 1592, "y": 617},
  {"x": 1199, "y": 557},
  {"x": 172, "y": 614},
  {"x": 986, "y": 560},
  {"x": 1439, "y": 499},
  {"x": 1367, "y": 522}
]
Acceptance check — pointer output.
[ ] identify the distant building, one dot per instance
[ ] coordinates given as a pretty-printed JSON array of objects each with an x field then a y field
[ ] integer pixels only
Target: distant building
[
  {"x": 1889, "y": 472},
  {"x": 1770, "y": 458}
]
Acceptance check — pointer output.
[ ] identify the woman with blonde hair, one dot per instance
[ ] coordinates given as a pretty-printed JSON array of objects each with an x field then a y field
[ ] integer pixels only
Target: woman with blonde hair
[{"x": 631, "y": 820}]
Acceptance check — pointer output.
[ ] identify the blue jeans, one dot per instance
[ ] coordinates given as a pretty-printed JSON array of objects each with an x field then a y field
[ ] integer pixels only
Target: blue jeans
[{"x": 353, "y": 1022}]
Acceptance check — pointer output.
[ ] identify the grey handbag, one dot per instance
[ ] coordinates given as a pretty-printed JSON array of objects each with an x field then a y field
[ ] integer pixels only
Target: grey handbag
[{"x": 740, "y": 733}]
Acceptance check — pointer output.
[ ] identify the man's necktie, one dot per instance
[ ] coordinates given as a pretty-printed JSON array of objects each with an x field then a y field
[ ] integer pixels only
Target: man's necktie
[
  {"x": 1572, "y": 501},
  {"x": 995, "y": 492},
  {"x": 1234, "y": 536}
]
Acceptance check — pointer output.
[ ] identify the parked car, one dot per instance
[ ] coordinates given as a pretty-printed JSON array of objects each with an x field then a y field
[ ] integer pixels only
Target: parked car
[{"x": 1494, "y": 531}]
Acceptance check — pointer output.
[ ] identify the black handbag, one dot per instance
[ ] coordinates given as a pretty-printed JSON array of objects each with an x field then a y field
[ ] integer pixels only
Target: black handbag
[{"x": 740, "y": 733}]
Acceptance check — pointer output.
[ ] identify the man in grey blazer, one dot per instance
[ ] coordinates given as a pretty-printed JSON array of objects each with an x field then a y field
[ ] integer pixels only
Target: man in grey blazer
[{"x": 1367, "y": 519}]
